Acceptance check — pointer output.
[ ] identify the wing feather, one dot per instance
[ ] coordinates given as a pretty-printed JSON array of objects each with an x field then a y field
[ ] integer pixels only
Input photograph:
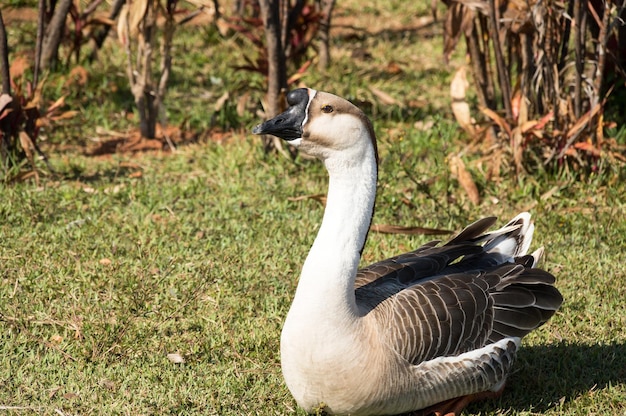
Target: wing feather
[{"x": 443, "y": 301}]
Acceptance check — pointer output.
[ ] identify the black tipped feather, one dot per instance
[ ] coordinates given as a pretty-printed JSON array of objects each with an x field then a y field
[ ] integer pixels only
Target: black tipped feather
[{"x": 463, "y": 295}]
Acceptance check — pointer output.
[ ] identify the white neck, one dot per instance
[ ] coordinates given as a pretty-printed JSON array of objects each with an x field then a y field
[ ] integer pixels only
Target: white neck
[{"x": 325, "y": 295}]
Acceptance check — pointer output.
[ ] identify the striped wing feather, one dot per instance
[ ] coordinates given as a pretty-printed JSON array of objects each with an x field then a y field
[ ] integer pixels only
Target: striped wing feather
[{"x": 444, "y": 301}]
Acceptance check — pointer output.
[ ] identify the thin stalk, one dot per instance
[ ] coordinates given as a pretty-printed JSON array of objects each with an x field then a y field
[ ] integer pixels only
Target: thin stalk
[
  {"x": 503, "y": 76},
  {"x": 578, "y": 41},
  {"x": 603, "y": 38},
  {"x": 4, "y": 59},
  {"x": 324, "y": 52},
  {"x": 481, "y": 74},
  {"x": 41, "y": 26}
]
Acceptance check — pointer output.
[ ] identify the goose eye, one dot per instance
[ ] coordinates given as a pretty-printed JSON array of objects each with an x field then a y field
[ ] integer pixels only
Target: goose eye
[{"x": 327, "y": 109}]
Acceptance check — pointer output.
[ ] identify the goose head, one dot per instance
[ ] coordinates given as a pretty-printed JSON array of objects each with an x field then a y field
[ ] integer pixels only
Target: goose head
[{"x": 323, "y": 125}]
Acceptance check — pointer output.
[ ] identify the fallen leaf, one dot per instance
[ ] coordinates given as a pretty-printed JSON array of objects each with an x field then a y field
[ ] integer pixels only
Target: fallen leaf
[
  {"x": 56, "y": 339},
  {"x": 458, "y": 21},
  {"x": 27, "y": 147},
  {"x": 221, "y": 101},
  {"x": 588, "y": 147},
  {"x": 460, "y": 107},
  {"x": 583, "y": 121},
  {"x": 112, "y": 190},
  {"x": 19, "y": 65},
  {"x": 500, "y": 121},
  {"x": 242, "y": 103},
  {"x": 393, "y": 68},
  {"x": 77, "y": 76},
  {"x": 57, "y": 104},
  {"x": 53, "y": 392},
  {"x": 547, "y": 195},
  {"x": 105, "y": 262},
  {"x": 122, "y": 25},
  {"x": 65, "y": 115},
  {"x": 457, "y": 168},
  {"x": 424, "y": 125},
  {"x": 136, "y": 13},
  {"x": 321, "y": 198},
  {"x": 108, "y": 384},
  {"x": 5, "y": 100},
  {"x": 384, "y": 97},
  {"x": 398, "y": 229},
  {"x": 176, "y": 358}
]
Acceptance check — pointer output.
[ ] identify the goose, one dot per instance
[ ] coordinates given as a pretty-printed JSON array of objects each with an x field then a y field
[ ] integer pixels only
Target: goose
[{"x": 430, "y": 330}]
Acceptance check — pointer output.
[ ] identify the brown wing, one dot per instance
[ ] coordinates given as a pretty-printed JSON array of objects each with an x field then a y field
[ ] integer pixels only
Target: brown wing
[{"x": 443, "y": 301}]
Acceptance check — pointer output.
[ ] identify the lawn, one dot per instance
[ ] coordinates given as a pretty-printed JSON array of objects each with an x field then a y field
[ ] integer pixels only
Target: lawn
[{"x": 157, "y": 282}]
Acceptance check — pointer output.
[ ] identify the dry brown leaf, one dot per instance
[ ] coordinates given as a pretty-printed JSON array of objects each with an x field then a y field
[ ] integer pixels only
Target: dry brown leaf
[
  {"x": 494, "y": 165},
  {"x": 398, "y": 229},
  {"x": 582, "y": 122},
  {"x": 242, "y": 103},
  {"x": 112, "y": 190},
  {"x": 130, "y": 165},
  {"x": 517, "y": 148},
  {"x": 60, "y": 102},
  {"x": 27, "y": 146},
  {"x": 458, "y": 21},
  {"x": 516, "y": 102},
  {"x": 500, "y": 121},
  {"x": 105, "y": 262},
  {"x": 321, "y": 198},
  {"x": 222, "y": 26},
  {"x": 176, "y": 358},
  {"x": 65, "y": 115},
  {"x": 102, "y": 20},
  {"x": 528, "y": 125},
  {"x": 53, "y": 391},
  {"x": 301, "y": 72},
  {"x": 19, "y": 65},
  {"x": 136, "y": 14},
  {"x": 384, "y": 97},
  {"x": 77, "y": 76},
  {"x": 219, "y": 104},
  {"x": 457, "y": 168},
  {"x": 122, "y": 25},
  {"x": 588, "y": 147},
  {"x": 460, "y": 107},
  {"x": 600, "y": 130},
  {"x": 424, "y": 125},
  {"x": 618, "y": 156},
  {"x": 5, "y": 100},
  {"x": 393, "y": 68},
  {"x": 56, "y": 339},
  {"x": 23, "y": 176},
  {"x": 547, "y": 195}
]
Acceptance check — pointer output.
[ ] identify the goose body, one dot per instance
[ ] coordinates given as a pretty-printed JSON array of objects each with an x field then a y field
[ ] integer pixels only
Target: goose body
[{"x": 438, "y": 323}]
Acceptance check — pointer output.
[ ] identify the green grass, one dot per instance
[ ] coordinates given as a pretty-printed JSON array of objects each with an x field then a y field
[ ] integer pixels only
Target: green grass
[
  {"x": 103, "y": 275},
  {"x": 113, "y": 263}
]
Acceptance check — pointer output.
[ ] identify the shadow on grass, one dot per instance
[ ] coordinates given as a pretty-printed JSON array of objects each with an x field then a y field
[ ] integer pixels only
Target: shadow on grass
[{"x": 552, "y": 376}]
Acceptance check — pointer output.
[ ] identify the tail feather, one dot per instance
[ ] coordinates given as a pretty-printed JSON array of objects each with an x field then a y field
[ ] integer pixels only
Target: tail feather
[
  {"x": 523, "y": 301},
  {"x": 514, "y": 239}
]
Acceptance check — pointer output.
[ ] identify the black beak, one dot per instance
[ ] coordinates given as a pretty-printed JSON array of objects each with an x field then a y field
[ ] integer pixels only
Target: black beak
[{"x": 287, "y": 125}]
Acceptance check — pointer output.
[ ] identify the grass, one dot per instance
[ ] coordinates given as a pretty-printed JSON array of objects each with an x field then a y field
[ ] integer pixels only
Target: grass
[{"x": 114, "y": 263}]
